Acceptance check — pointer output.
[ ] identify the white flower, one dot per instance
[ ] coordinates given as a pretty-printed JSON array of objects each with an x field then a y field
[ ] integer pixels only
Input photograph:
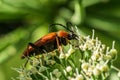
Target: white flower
[
  {"x": 85, "y": 66},
  {"x": 68, "y": 68},
  {"x": 104, "y": 68},
  {"x": 79, "y": 77},
  {"x": 96, "y": 72}
]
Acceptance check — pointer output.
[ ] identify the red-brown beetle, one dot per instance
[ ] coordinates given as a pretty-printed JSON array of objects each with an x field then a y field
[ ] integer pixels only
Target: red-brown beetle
[{"x": 50, "y": 42}]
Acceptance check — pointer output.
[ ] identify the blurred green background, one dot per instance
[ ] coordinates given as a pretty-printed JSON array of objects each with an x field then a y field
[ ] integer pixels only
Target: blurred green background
[{"x": 23, "y": 21}]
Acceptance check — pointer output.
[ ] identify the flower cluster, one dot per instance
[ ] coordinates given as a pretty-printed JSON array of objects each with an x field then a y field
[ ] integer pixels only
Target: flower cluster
[{"x": 86, "y": 59}]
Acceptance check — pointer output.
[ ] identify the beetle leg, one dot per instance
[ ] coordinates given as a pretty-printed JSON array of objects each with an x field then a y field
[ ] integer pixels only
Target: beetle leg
[
  {"x": 26, "y": 53},
  {"x": 59, "y": 45}
]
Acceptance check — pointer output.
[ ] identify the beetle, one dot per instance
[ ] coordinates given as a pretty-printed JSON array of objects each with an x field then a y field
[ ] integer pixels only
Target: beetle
[{"x": 50, "y": 42}]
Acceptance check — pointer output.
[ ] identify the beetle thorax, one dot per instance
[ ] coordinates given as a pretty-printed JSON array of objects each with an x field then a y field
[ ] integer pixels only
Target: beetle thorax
[{"x": 62, "y": 34}]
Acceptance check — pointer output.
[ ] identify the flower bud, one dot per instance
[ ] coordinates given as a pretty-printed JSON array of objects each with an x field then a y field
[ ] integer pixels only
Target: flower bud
[
  {"x": 68, "y": 69},
  {"x": 104, "y": 68},
  {"x": 113, "y": 53}
]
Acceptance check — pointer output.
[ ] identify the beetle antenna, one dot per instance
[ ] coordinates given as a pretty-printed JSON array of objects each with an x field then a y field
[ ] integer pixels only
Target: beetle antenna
[
  {"x": 66, "y": 27},
  {"x": 70, "y": 25}
]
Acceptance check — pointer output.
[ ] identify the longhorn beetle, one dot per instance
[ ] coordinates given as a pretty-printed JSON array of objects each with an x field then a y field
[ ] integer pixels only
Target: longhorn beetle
[{"x": 50, "y": 42}]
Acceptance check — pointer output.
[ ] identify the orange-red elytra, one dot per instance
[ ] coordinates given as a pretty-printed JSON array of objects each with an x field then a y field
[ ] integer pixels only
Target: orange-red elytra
[{"x": 49, "y": 42}]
